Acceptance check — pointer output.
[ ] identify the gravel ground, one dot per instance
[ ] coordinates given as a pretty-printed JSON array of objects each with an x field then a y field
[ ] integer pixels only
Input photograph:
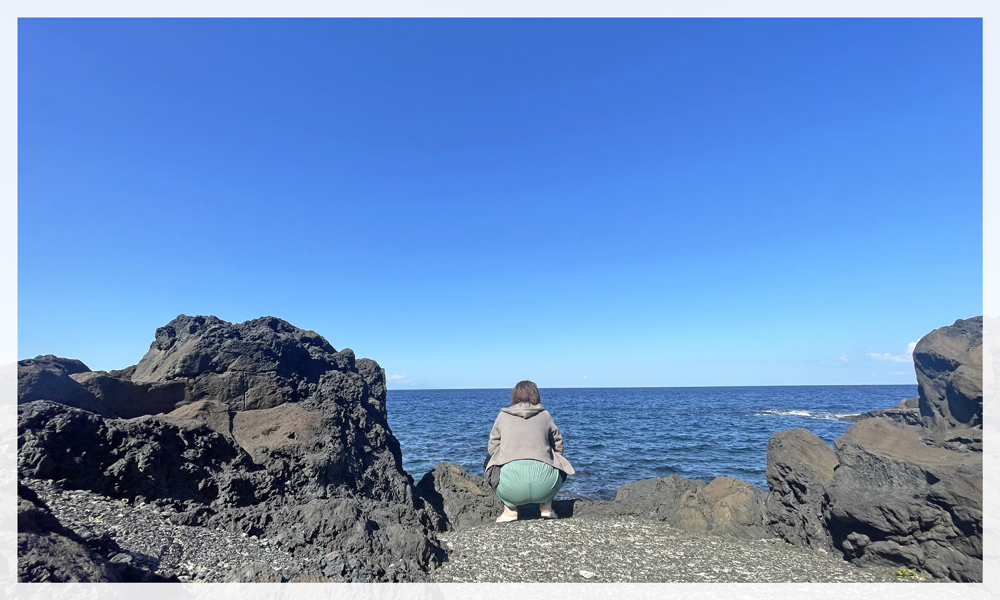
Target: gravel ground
[
  {"x": 627, "y": 549},
  {"x": 148, "y": 537},
  {"x": 623, "y": 549}
]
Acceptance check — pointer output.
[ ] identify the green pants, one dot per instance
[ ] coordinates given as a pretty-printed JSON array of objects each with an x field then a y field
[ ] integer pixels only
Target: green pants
[{"x": 528, "y": 482}]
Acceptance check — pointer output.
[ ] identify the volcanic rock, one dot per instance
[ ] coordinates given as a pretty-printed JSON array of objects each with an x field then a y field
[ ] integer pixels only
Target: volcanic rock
[
  {"x": 724, "y": 506},
  {"x": 906, "y": 413},
  {"x": 48, "y": 551},
  {"x": 465, "y": 500},
  {"x": 896, "y": 500},
  {"x": 658, "y": 498},
  {"x": 48, "y": 378},
  {"x": 271, "y": 432},
  {"x": 125, "y": 458},
  {"x": 252, "y": 365},
  {"x": 949, "y": 367},
  {"x": 902, "y": 486},
  {"x": 799, "y": 468},
  {"x": 120, "y": 398},
  {"x": 109, "y": 394},
  {"x": 949, "y": 408}
]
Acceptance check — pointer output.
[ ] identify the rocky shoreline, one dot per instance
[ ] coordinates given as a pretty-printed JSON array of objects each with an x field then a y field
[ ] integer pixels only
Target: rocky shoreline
[
  {"x": 149, "y": 546},
  {"x": 257, "y": 452}
]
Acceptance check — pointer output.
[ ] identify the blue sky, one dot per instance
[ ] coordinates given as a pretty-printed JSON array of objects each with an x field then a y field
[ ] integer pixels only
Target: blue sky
[{"x": 473, "y": 202}]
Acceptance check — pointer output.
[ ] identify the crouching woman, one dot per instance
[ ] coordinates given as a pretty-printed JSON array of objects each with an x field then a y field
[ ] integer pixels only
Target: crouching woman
[{"x": 527, "y": 444}]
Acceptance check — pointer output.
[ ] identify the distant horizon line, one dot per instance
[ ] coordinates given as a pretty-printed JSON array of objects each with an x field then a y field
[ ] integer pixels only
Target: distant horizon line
[{"x": 650, "y": 387}]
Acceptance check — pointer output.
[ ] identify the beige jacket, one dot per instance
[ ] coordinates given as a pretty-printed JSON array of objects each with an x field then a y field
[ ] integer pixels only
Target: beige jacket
[{"x": 526, "y": 431}]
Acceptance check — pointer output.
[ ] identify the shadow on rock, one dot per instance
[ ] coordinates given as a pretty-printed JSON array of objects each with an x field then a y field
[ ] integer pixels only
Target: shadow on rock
[
  {"x": 903, "y": 486},
  {"x": 256, "y": 427}
]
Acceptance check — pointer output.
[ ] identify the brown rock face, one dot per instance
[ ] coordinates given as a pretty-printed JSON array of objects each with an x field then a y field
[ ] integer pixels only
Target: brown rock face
[
  {"x": 212, "y": 413},
  {"x": 727, "y": 506},
  {"x": 119, "y": 398},
  {"x": 724, "y": 506},
  {"x": 49, "y": 377}
]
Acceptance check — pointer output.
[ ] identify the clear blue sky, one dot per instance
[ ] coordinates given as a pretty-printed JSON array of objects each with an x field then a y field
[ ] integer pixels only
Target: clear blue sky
[{"x": 474, "y": 202}]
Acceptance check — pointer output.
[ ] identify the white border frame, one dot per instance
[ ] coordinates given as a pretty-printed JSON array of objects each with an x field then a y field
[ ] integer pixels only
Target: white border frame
[{"x": 11, "y": 11}]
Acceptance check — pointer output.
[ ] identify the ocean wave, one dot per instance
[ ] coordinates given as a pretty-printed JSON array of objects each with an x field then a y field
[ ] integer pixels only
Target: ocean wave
[{"x": 808, "y": 414}]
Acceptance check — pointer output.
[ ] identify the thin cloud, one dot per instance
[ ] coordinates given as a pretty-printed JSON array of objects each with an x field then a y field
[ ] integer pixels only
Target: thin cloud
[
  {"x": 899, "y": 358},
  {"x": 844, "y": 359},
  {"x": 398, "y": 379}
]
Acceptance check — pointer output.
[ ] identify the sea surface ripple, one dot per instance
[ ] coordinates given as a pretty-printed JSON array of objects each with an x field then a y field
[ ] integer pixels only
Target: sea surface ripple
[{"x": 616, "y": 435}]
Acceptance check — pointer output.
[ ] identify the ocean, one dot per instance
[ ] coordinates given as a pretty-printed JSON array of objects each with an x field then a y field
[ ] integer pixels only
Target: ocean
[{"x": 616, "y": 435}]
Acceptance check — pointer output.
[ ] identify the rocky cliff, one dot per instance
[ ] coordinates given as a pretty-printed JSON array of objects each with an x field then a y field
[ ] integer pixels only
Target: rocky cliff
[
  {"x": 903, "y": 486},
  {"x": 259, "y": 428}
]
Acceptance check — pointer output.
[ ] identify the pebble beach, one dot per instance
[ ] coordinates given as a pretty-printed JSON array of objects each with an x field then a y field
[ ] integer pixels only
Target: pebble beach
[{"x": 578, "y": 550}]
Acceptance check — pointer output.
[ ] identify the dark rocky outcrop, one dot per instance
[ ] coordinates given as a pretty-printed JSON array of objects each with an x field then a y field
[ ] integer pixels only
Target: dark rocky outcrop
[
  {"x": 47, "y": 551},
  {"x": 109, "y": 394},
  {"x": 261, "y": 363},
  {"x": 907, "y": 412},
  {"x": 126, "y": 458},
  {"x": 800, "y": 467},
  {"x": 464, "y": 500},
  {"x": 902, "y": 486},
  {"x": 268, "y": 430},
  {"x": 48, "y": 376},
  {"x": 949, "y": 366},
  {"x": 897, "y": 500},
  {"x": 948, "y": 409}
]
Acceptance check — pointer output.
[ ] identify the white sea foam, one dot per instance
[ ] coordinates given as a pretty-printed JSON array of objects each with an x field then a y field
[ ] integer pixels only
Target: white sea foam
[{"x": 809, "y": 414}]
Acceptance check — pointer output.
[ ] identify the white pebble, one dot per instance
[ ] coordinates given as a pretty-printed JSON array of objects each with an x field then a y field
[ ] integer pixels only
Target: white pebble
[{"x": 588, "y": 574}]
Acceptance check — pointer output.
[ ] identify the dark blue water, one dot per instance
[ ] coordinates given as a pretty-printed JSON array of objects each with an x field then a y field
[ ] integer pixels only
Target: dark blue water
[{"x": 616, "y": 435}]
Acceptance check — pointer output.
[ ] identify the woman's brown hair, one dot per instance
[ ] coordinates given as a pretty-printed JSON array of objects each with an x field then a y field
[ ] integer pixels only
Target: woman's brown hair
[{"x": 525, "y": 391}]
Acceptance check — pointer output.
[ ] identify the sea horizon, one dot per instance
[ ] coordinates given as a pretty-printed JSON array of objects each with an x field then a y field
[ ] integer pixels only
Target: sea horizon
[{"x": 649, "y": 387}]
